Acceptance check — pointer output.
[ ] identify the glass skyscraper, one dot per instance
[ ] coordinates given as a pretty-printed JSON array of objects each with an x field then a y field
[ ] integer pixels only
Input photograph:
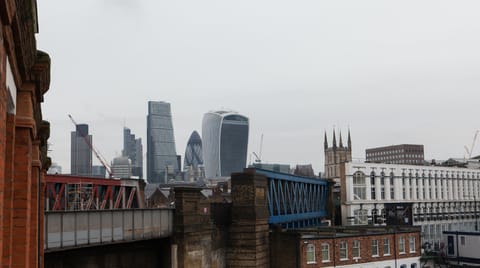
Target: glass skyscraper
[
  {"x": 225, "y": 143},
  {"x": 80, "y": 152},
  {"x": 193, "y": 153},
  {"x": 162, "y": 161},
  {"x": 132, "y": 148}
]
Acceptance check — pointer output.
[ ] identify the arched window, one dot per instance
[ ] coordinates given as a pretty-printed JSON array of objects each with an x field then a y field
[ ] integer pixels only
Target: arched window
[
  {"x": 359, "y": 186},
  {"x": 311, "y": 253}
]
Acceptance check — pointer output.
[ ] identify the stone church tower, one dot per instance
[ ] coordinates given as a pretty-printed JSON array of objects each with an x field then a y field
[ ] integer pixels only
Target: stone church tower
[{"x": 335, "y": 156}]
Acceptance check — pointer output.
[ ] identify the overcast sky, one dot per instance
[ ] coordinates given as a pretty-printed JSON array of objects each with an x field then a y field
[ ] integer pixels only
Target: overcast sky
[{"x": 394, "y": 72}]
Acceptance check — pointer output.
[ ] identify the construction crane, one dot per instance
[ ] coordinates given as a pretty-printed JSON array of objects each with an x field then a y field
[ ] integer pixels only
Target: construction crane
[
  {"x": 470, "y": 150},
  {"x": 259, "y": 158},
  {"x": 95, "y": 151}
]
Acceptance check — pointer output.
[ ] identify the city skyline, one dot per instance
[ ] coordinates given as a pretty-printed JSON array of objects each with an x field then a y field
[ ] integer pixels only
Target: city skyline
[{"x": 297, "y": 70}]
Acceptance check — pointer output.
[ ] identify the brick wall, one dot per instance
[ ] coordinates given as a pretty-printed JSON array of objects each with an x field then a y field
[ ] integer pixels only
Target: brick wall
[
  {"x": 366, "y": 254},
  {"x": 23, "y": 154}
]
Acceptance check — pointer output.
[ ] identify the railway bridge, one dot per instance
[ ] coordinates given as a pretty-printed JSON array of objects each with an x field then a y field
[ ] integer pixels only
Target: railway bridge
[{"x": 86, "y": 225}]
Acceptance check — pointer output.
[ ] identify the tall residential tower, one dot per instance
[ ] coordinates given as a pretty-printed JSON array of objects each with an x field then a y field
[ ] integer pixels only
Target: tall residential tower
[
  {"x": 162, "y": 163},
  {"x": 225, "y": 143}
]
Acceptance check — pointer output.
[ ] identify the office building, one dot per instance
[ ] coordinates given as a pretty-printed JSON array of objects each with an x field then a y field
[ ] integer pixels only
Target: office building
[
  {"x": 132, "y": 148},
  {"x": 225, "y": 143},
  {"x": 121, "y": 167},
  {"x": 193, "y": 152},
  {"x": 304, "y": 170},
  {"x": 408, "y": 154},
  {"x": 193, "y": 160},
  {"x": 436, "y": 198},
  {"x": 162, "y": 161},
  {"x": 99, "y": 171},
  {"x": 80, "y": 151},
  {"x": 283, "y": 168}
]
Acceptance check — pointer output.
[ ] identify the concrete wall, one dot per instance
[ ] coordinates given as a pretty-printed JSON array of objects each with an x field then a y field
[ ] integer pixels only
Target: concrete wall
[{"x": 145, "y": 254}]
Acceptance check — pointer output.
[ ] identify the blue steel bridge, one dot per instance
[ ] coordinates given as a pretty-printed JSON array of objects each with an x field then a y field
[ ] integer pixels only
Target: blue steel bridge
[{"x": 295, "y": 201}]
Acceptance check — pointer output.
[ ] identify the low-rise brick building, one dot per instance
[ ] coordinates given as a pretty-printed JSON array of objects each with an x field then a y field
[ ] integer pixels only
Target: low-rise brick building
[{"x": 347, "y": 247}]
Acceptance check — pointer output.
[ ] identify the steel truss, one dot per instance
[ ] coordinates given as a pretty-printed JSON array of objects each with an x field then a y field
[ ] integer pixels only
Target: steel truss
[
  {"x": 294, "y": 201},
  {"x": 83, "y": 193}
]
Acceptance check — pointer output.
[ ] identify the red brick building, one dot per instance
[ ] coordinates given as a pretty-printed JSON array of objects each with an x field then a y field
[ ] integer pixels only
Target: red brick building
[
  {"x": 24, "y": 79},
  {"x": 347, "y": 247}
]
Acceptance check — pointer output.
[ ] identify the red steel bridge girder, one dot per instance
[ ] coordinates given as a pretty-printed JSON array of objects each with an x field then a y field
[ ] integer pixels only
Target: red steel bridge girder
[{"x": 65, "y": 192}]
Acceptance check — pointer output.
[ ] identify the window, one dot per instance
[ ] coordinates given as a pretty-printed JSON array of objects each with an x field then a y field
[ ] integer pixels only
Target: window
[
  {"x": 386, "y": 246},
  {"x": 372, "y": 185},
  {"x": 392, "y": 187},
  {"x": 410, "y": 182},
  {"x": 382, "y": 185},
  {"x": 360, "y": 217},
  {"x": 462, "y": 240},
  {"x": 343, "y": 250},
  {"x": 359, "y": 186},
  {"x": 401, "y": 245},
  {"x": 375, "y": 248},
  {"x": 417, "y": 183},
  {"x": 325, "y": 252},
  {"x": 356, "y": 249},
  {"x": 412, "y": 244},
  {"x": 403, "y": 266},
  {"x": 311, "y": 253},
  {"x": 413, "y": 265}
]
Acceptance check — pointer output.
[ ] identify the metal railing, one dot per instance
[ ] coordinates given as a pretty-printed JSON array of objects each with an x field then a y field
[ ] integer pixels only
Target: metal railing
[{"x": 70, "y": 229}]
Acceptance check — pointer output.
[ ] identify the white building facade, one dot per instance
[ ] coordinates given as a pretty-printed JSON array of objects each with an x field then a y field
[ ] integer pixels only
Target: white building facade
[{"x": 436, "y": 198}]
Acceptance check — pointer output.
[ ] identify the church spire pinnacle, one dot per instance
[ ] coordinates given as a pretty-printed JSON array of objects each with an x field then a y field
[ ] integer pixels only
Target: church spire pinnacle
[
  {"x": 341, "y": 142},
  {"x": 334, "y": 139},
  {"x": 325, "y": 142},
  {"x": 349, "y": 142}
]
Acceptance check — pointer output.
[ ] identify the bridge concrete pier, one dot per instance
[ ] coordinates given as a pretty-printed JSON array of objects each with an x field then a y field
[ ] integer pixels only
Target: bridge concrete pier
[
  {"x": 248, "y": 244},
  {"x": 192, "y": 228}
]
